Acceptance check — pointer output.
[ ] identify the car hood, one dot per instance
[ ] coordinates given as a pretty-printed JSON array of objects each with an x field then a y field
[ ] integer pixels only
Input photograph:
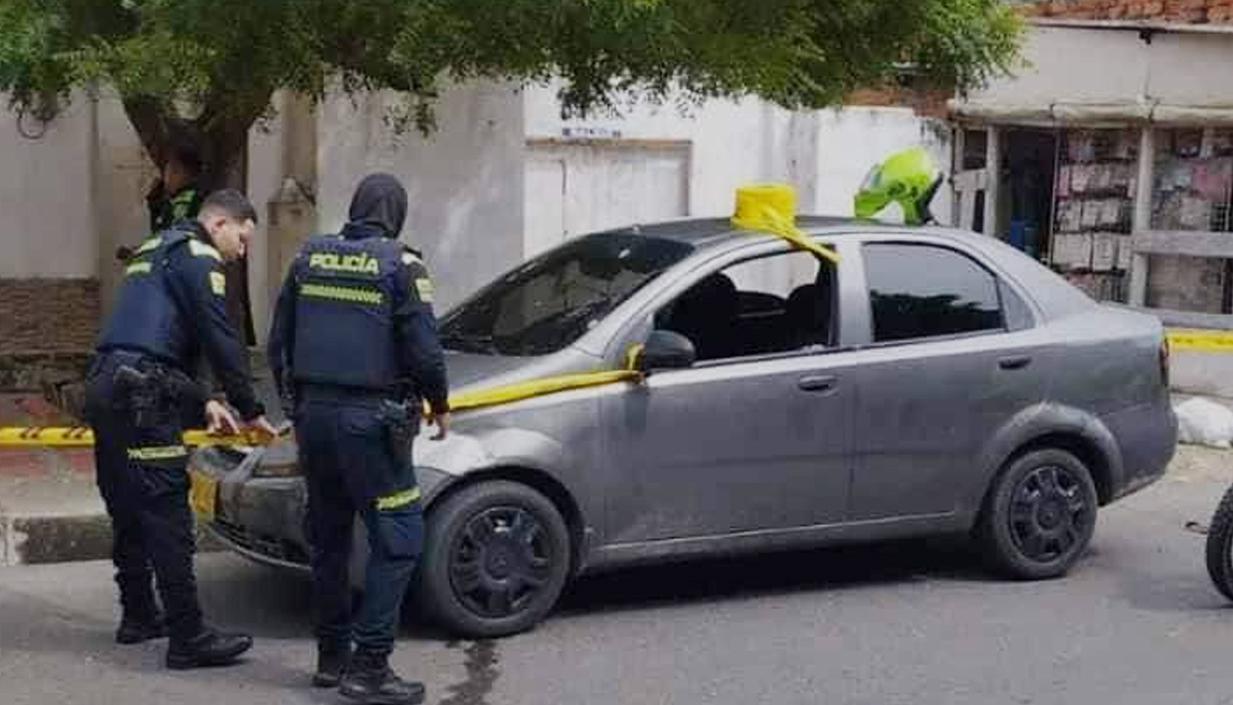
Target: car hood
[{"x": 469, "y": 369}]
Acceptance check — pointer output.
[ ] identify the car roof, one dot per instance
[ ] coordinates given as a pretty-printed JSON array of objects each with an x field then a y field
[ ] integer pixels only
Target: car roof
[
  {"x": 707, "y": 233},
  {"x": 1052, "y": 293}
]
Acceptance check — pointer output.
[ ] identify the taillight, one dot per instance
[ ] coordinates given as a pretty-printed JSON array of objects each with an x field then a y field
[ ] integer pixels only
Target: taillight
[{"x": 1164, "y": 361}]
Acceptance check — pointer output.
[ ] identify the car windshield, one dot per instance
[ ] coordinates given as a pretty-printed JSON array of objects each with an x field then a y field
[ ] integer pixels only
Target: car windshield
[{"x": 549, "y": 302}]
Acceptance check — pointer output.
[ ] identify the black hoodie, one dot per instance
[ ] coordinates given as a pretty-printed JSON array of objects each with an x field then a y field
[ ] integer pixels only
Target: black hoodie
[{"x": 379, "y": 208}]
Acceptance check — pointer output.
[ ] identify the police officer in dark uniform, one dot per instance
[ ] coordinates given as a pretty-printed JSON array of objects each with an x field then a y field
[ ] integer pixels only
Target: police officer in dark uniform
[
  {"x": 176, "y": 196},
  {"x": 354, "y": 345},
  {"x": 139, "y": 398}
]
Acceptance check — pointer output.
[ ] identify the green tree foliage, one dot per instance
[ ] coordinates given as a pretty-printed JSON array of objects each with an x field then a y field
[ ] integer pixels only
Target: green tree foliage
[{"x": 207, "y": 68}]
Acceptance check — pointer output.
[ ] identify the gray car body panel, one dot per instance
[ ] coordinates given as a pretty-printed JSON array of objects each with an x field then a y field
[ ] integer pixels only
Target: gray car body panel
[{"x": 730, "y": 456}]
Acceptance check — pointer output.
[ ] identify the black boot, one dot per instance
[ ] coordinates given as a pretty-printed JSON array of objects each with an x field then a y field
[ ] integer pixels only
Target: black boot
[
  {"x": 209, "y": 648},
  {"x": 134, "y": 630},
  {"x": 370, "y": 681},
  {"x": 332, "y": 662}
]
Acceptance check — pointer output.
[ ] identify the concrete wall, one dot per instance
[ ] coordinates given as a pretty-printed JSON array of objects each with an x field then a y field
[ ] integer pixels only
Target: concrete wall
[
  {"x": 49, "y": 294},
  {"x": 265, "y": 175},
  {"x": 852, "y": 140},
  {"x": 122, "y": 175},
  {"x": 46, "y": 196},
  {"x": 464, "y": 181},
  {"x": 1065, "y": 64},
  {"x": 824, "y": 154},
  {"x": 733, "y": 142}
]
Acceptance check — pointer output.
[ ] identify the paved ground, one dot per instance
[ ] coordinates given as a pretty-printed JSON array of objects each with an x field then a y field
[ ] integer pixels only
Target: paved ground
[{"x": 905, "y": 623}]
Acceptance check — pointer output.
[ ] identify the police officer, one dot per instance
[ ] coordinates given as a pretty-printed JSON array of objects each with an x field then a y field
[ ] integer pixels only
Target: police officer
[
  {"x": 139, "y": 398},
  {"x": 354, "y": 344},
  {"x": 175, "y": 196}
]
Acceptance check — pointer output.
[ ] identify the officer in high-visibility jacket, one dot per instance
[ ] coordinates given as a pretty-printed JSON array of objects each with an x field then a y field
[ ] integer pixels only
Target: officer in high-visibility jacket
[
  {"x": 140, "y": 397},
  {"x": 354, "y": 351}
]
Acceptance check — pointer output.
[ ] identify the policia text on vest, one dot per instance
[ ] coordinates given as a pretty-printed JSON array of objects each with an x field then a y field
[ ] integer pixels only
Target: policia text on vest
[{"x": 354, "y": 349}]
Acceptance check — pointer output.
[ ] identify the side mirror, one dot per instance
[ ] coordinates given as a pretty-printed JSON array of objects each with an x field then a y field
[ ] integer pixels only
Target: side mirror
[{"x": 665, "y": 350}]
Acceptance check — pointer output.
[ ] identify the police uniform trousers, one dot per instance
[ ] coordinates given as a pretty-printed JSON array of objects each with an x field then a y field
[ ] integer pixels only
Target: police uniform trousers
[
  {"x": 352, "y": 469},
  {"x": 140, "y": 465}
]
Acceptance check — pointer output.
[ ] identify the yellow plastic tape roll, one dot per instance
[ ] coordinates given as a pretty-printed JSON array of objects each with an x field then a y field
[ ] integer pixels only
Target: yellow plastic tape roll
[{"x": 771, "y": 208}]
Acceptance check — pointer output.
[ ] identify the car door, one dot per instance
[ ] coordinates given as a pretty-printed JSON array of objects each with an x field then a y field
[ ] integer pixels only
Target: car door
[
  {"x": 952, "y": 357},
  {"x": 742, "y": 441}
]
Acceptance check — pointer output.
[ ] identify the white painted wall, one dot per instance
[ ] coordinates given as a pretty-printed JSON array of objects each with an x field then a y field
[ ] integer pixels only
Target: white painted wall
[
  {"x": 46, "y": 196},
  {"x": 734, "y": 142},
  {"x": 122, "y": 176},
  {"x": 1066, "y": 64},
  {"x": 851, "y": 141},
  {"x": 265, "y": 175},
  {"x": 573, "y": 189},
  {"x": 1191, "y": 69},
  {"x": 464, "y": 182},
  {"x": 824, "y": 154}
]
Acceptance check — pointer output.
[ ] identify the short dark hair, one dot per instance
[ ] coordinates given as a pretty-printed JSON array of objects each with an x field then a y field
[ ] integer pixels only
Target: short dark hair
[{"x": 230, "y": 203}]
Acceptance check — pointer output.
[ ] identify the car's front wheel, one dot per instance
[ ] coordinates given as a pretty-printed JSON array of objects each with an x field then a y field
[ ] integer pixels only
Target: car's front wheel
[
  {"x": 1039, "y": 515},
  {"x": 495, "y": 560}
]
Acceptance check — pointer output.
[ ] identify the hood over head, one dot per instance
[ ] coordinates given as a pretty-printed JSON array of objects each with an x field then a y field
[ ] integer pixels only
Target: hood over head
[{"x": 378, "y": 207}]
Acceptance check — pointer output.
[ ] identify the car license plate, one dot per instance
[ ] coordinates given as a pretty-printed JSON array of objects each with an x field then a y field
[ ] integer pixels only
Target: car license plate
[{"x": 203, "y": 495}]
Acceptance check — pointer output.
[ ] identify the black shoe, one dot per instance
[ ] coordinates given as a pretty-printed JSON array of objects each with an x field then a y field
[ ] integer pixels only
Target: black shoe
[
  {"x": 209, "y": 648},
  {"x": 332, "y": 662},
  {"x": 135, "y": 631},
  {"x": 371, "y": 682}
]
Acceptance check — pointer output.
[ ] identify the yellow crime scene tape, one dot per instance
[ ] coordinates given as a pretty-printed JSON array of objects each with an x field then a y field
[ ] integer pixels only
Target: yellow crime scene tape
[
  {"x": 82, "y": 437},
  {"x": 766, "y": 208},
  {"x": 1213, "y": 341}
]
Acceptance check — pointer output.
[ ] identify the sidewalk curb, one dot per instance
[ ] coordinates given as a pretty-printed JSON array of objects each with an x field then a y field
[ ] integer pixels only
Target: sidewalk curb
[{"x": 34, "y": 540}]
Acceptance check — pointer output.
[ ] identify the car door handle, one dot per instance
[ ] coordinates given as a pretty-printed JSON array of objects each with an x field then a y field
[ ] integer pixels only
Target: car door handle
[
  {"x": 817, "y": 383},
  {"x": 1015, "y": 362}
]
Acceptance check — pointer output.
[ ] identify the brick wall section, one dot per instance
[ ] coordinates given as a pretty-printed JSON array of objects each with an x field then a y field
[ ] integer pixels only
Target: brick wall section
[
  {"x": 925, "y": 102},
  {"x": 1178, "y": 11},
  {"x": 48, "y": 315}
]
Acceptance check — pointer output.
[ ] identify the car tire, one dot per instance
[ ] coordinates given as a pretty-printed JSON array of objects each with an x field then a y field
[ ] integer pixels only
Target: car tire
[
  {"x": 1219, "y": 547},
  {"x": 1039, "y": 515},
  {"x": 496, "y": 557}
]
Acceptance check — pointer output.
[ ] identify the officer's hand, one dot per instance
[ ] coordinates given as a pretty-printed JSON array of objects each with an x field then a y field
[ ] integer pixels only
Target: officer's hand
[
  {"x": 219, "y": 419},
  {"x": 263, "y": 426},
  {"x": 442, "y": 422}
]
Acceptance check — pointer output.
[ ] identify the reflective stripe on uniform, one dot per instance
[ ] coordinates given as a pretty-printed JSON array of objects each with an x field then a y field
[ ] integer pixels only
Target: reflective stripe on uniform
[
  {"x": 423, "y": 286},
  {"x": 398, "y": 500},
  {"x": 149, "y": 245},
  {"x": 347, "y": 294},
  {"x": 200, "y": 249},
  {"x": 157, "y": 452},
  {"x": 138, "y": 268}
]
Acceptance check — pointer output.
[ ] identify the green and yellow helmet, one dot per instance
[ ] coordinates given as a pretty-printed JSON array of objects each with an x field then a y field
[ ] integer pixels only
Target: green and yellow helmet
[{"x": 908, "y": 178}]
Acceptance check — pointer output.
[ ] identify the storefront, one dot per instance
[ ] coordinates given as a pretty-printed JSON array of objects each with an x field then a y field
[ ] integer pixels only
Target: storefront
[{"x": 1113, "y": 156}]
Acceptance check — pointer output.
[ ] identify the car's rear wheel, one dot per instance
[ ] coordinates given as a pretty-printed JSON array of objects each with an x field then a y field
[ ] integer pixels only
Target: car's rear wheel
[
  {"x": 1039, "y": 515},
  {"x": 495, "y": 560},
  {"x": 1220, "y": 546}
]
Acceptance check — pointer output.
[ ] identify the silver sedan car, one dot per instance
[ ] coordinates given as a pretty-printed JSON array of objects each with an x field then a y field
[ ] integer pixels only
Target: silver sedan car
[{"x": 931, "y": 382}]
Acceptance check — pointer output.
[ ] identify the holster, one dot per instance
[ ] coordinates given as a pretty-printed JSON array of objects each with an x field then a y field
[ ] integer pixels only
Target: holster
[
  {"x": 401, "y": 429},
  {"x": 153, "y": 394}
]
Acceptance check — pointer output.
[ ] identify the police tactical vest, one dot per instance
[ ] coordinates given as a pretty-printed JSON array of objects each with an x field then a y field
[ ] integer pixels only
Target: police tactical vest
[
  {"x": 146, "y": 315},
  {"x": 344, "y": 314}
]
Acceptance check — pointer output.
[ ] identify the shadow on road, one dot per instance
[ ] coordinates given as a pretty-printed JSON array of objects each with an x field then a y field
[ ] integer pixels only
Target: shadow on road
[{"x": 716, "y": 580}]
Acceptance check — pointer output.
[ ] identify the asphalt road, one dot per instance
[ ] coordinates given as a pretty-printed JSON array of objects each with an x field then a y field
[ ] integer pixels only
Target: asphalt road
[{"x": 915, "y": 622}]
